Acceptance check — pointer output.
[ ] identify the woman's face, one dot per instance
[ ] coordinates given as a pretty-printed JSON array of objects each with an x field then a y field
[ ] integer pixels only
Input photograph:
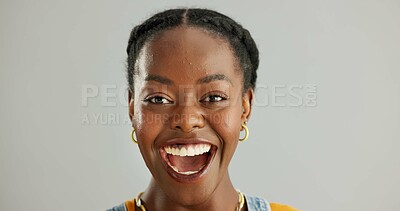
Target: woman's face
[{"x": 187, "y": 111}]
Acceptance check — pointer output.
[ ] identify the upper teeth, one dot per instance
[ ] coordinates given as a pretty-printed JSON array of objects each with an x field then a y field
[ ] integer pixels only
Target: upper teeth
[{"x": 187, "y": 150}]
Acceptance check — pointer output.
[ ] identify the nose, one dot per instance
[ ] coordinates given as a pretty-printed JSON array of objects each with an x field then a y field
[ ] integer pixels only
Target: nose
[{"x": 186, "y": 118}]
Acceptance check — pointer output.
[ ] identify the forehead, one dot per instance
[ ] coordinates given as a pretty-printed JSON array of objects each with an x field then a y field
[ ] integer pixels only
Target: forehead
[{"x": 186, "y": 54}]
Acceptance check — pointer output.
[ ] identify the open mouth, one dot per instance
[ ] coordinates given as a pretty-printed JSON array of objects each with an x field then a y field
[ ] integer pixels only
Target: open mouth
[{"x": 187, "y": 162}]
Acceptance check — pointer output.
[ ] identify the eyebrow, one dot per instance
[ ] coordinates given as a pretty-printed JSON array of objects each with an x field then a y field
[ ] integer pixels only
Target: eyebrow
[
  {"x": 214, "y": 77},
  {"x": 160, "y": 79},
  {"x": 204, "y": 80}
]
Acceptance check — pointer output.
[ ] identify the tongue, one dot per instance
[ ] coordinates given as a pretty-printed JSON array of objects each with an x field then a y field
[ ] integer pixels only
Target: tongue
[{"x": 188, "y": 163}]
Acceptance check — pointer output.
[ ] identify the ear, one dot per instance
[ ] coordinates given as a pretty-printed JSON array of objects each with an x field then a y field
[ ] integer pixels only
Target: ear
[
  {"x": 130, "y": 104},
  {"x": 247, "y": 103}
]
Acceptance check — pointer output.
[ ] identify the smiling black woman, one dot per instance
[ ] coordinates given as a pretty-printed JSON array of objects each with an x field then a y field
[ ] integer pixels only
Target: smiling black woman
[{"x": 191, "y": 75}]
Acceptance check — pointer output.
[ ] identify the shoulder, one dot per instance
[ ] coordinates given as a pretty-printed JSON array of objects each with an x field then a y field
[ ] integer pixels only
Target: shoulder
[
  {"x": 126, "y": 206},
  {"x": 281, "y": 207},
  {"x": 254, "y": 203},
  {"x": 120, "y": 207}
]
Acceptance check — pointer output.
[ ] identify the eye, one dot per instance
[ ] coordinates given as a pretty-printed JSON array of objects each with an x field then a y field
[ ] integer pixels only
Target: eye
[
  {"x": 157, "y": 100},
  {"x": 214, "y": 98}
]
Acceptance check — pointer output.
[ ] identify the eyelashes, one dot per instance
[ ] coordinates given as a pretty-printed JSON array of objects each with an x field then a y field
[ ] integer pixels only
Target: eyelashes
[
  {"x": 214, "y": 98},
  {"x": 207, "y": 99},
  {"x": 157, "y": 100}
]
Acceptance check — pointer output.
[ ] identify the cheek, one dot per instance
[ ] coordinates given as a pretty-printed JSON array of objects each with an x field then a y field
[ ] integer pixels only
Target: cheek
[
  {"x": 148, "y": 126},
  {"x": 148, "y": 123},
  {"x": 227, "y": 124}
]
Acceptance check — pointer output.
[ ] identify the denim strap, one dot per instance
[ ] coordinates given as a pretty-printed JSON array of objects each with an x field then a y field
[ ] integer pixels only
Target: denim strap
[
  {"x": 120, "y": 207},
  {"x": 257, "y": 204}
]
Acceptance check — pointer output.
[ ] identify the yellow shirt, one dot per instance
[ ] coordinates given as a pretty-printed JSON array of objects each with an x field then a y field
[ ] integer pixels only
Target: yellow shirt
[{"x": 281, "y": 207}]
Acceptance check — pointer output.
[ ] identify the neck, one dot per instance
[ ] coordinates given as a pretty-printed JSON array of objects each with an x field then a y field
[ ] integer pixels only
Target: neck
[{"x": 224, "y": 197}]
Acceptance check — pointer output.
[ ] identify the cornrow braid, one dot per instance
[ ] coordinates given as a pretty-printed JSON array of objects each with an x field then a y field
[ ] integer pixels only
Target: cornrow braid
[{"x": 239, "y": 38}]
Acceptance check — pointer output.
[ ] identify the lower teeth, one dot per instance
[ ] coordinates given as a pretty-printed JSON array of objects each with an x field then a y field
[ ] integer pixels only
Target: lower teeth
[{"x": 186, "y": 172}]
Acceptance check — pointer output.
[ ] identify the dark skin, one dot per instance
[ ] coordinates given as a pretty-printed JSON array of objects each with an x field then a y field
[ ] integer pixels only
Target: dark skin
[{"x": 189, "y": 85}]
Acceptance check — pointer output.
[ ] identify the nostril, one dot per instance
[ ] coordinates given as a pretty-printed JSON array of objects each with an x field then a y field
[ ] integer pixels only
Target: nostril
[
  {"x": 186, "y": 129},
  {"x": 186, "y": 119}
]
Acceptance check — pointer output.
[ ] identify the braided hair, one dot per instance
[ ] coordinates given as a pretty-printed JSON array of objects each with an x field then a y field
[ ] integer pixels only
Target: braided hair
[{"x": 239, "y": 38}]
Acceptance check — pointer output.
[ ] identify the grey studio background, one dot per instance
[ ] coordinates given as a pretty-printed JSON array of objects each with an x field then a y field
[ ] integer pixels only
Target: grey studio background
[{"x": 325, "y": 128}]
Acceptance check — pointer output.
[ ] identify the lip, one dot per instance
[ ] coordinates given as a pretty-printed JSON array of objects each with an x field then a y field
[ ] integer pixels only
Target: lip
[{"x": 182, "y": 178}]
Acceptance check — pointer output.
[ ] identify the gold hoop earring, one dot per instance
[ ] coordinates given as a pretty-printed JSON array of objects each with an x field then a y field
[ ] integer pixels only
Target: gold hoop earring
[
  {"x": 133, "y": 139},
  {"x": 246, "y": 129}
]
